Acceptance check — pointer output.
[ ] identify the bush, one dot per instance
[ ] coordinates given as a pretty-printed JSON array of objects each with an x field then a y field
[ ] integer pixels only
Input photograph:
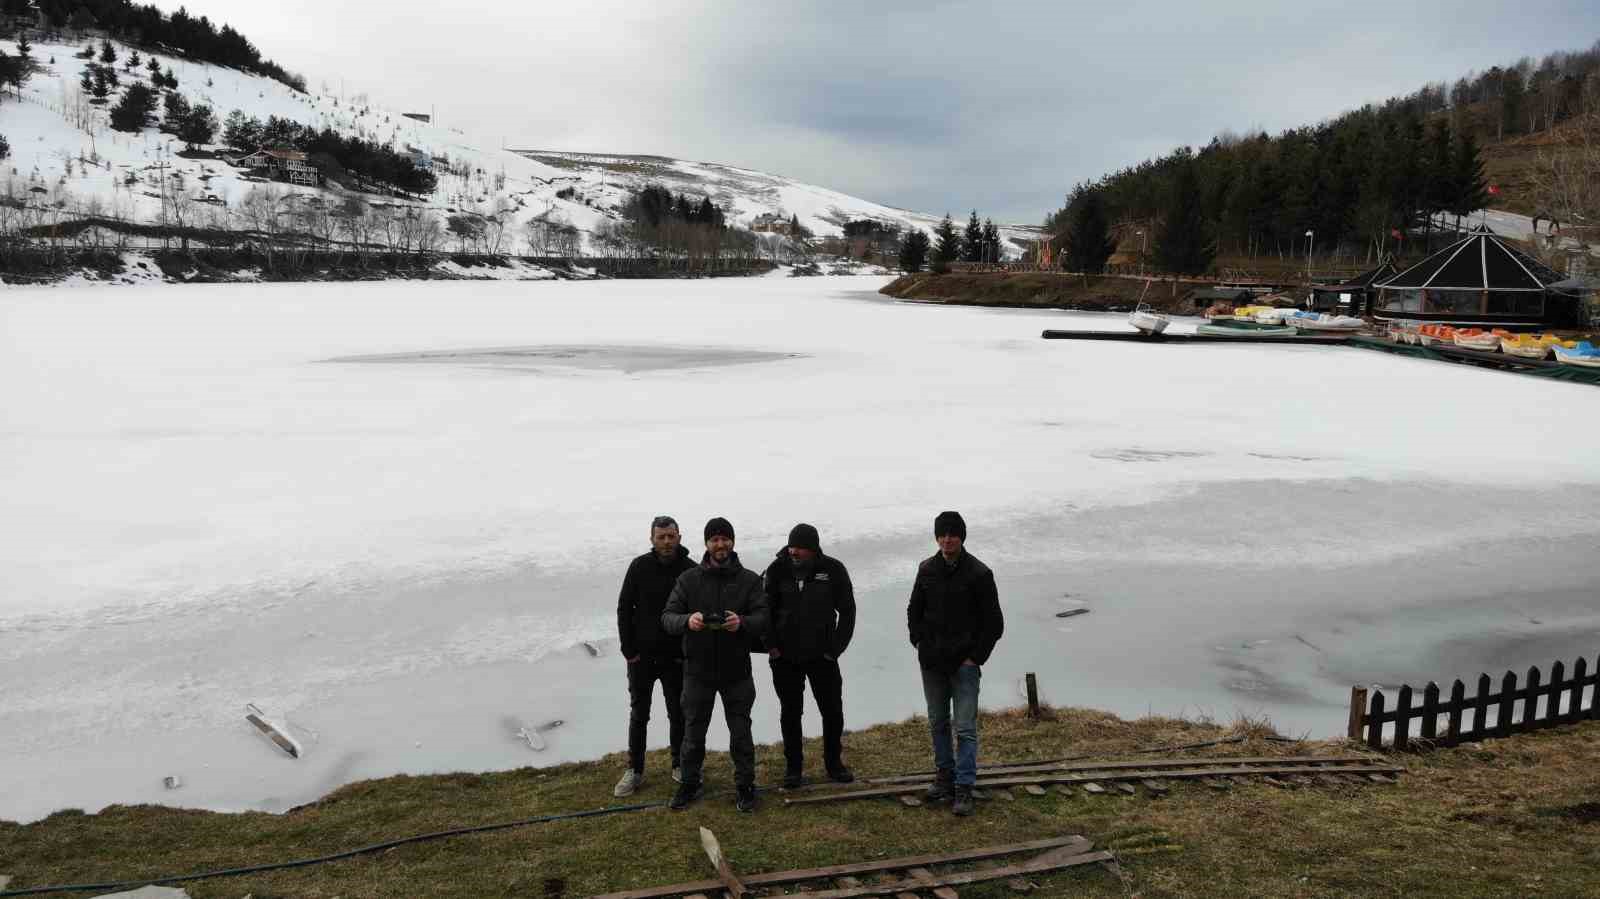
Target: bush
[{"x": 133, "y": 111}]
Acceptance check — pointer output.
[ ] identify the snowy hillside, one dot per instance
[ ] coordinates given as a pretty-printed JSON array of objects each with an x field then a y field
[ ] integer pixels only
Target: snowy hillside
[{"x": 65, "y": 155}]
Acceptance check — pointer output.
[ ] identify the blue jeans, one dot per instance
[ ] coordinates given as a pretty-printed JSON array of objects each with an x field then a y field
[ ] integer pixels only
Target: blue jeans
[{"x": 960, "y": 690}]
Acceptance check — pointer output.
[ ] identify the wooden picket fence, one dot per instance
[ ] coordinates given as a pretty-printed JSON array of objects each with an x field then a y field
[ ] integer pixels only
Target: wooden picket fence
[{"x": 1512, "y": 709}]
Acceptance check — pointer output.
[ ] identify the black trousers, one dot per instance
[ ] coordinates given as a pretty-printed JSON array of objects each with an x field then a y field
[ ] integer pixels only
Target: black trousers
[
  {"x": 699, "y": 700},
  {"x": 642, "y": 677},
  {"x": 827, "y": 685}
]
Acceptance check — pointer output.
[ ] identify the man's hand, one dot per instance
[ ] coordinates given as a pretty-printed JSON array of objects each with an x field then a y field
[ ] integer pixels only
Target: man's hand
[
  {"x": 731, "y": 622},
  {"x": 697, "y": 622},
  {"x": 969, "y": 662}
]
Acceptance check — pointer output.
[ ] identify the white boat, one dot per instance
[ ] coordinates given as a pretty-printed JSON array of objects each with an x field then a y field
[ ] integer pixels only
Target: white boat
[
  {"x": 1272, "y": 316},
  {"x": 1328, "y": 323},
  {"x": 1487, "y": 341},
  {"x": 1235, "y": 331},
  {"x": 1149, "y": 320}
]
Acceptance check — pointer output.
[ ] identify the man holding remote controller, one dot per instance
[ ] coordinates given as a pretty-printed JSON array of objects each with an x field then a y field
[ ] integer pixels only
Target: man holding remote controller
[{"x": 712, "y": 606}]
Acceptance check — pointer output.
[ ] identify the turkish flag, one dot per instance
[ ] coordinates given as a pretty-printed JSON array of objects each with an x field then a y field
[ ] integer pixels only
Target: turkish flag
[
  {"x": 1397, "y": 234},
  {"x": 1494, "y": 190}
]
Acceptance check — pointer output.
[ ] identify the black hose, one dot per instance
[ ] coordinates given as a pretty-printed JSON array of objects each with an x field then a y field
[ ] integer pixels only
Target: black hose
[{"x": 308, "y": 862}]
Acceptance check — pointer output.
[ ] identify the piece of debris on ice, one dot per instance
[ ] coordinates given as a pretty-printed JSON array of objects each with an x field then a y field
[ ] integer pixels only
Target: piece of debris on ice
[
  {"x": 274, "y": 731},
  {"x": 1069, "y": 613},
  {"x": 594, "y": 649},
  {"x": 172, "y": 781},
  {"x": 533, "y": 736}
]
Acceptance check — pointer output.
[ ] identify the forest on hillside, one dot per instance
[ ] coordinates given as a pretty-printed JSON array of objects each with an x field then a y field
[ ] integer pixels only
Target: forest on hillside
[
  {"x": 1359, "y": 182},
  {"x": 147, "y": 26}
]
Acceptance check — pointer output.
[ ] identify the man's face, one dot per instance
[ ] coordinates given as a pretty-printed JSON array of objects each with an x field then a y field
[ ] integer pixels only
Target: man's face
[
  {"x": 719, "y": 547},
  {"x": 801, "y": 554},
  {"x": 949, "y": 544},
  {"x": 665, "y": 541}
]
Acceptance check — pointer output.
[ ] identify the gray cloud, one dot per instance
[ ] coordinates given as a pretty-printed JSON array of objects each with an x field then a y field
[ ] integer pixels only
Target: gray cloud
[{"x": 926, "y": 106}]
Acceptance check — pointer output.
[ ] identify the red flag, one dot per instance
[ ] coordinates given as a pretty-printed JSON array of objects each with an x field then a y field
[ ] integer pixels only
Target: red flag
[
  {"x": 1397, "y": 234},
  {"x": 1494, "y": 190}
]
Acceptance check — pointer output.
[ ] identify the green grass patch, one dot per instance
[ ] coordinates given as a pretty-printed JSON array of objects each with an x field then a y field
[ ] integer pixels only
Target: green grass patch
[{"x": 1512, "y": 817}]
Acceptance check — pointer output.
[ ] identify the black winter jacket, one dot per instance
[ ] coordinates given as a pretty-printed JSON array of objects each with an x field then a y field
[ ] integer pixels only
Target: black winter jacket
[
  {"x": 954, "y": 613},
  {"x": 717, "y": 657},
  {"x": 643, "y": 598},
  {"x": 813, "y": 620}
]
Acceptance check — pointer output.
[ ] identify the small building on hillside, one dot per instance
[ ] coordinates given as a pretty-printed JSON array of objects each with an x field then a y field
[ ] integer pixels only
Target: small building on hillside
[
  {"x": 1354, "y": 296},
  {"x": 772, "y": 223},
  {"x": 1204, "y": 297},
  {"x": 1480, "y": 281},
  {"x": 282, "y": 165}
]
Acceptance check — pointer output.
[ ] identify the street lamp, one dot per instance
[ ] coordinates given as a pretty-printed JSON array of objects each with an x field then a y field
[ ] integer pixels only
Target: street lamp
[
  {"x": 1310, "y": 238},
  {"x": 1141, "y": 252}
]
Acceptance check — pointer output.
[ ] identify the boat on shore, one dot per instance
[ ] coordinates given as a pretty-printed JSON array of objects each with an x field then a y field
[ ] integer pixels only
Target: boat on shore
[
  {"x": 1315, "y": 322},
  {"x": 1479, "y": 339},
  {"x": 1148, "y": 320}
]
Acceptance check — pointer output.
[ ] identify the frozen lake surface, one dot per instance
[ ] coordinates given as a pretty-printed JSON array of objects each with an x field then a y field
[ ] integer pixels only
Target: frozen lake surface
[{"x": 392, "y": 513}]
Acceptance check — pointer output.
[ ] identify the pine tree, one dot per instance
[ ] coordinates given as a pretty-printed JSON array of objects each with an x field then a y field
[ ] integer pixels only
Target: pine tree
[
  {"x": 947, "y": 246},
  {"x": 1088, "y": 238},
  {"x": 991, "y": 241},
  {"x": 102, "y": 84},
  {"x": 1471, "y": 187},
  {"x": 1184, "y": 245},
  {"x": 154, "y": 66},
  {"x": 972, "y": 240},
  {"x": 197, "y": 126},
  {"x": 86, "y": 81},
  {"x": 169, "y": 80},
  {"x": 5, "y": 147},
  {"x": 132, "y": 113},
  {"x": 914, "y": 251},
  {"x": 24, "y": 48},
  {"x": 108, "y": 53},
  {"x": 134, "y": 61}
]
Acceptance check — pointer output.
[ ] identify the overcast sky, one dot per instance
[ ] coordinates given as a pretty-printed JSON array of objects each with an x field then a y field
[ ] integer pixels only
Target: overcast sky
[{"x": 924, "y": 105}]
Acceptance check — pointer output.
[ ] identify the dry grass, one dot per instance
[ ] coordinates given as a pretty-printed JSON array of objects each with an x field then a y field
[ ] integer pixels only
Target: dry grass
[{"x": 1508, "y": 818}]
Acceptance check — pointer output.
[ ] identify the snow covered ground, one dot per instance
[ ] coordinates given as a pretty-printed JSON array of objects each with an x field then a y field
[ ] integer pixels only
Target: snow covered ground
[{"x": 392, "y": 513}]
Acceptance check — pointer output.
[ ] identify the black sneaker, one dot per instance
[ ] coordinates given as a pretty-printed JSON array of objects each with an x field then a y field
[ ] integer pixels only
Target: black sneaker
[
  {"x": 942, "y": 788},
  {"x": 687, "y": 793},
  {"x": 744, "y": 799},
  {"x": 841, "y": 774},
  {"x": 963, "y": 806},
  {"x": 793, "y": 778}
]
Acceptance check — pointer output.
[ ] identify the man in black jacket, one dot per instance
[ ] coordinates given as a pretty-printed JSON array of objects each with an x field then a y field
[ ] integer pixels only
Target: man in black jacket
[
  {"x": 813, "y": 610},
  {"x": 955, "y": 621},
  {"x": 716, "y": 606},
  {"x": 652, "y": 654}
]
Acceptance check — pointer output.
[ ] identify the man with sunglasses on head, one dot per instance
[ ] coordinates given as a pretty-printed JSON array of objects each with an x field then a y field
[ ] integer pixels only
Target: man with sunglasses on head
[{"x": 651, "y": 653}]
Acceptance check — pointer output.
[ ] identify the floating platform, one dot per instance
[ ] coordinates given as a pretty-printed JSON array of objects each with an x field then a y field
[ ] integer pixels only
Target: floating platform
[
  {"x": 1543, "y": 368},
  {"x": 1244, "y": 337}
]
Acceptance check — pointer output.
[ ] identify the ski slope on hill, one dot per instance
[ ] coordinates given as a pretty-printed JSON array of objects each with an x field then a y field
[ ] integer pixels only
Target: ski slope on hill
[{"x": 65, "y": 155}]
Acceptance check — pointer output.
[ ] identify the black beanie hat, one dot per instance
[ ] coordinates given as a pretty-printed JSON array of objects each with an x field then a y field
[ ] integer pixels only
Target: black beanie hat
[
  {"x": 950, "y": 523},
  {"x": 719, "y": 527},
  {"x": 804, "y": 536}
]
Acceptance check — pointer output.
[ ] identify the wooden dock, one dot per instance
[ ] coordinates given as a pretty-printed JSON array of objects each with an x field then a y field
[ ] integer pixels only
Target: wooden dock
[{"x": 1244, "y": 337}]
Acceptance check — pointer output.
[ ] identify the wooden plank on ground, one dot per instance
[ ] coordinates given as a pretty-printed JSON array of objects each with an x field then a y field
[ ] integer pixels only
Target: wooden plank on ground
[
  {"x": 924, "y": 875},
  {"x": 831, "y": 871},
  {"x": 1008, "y": 770},
  {"x": 730, "y": 880},
  {"x": 1141, "y": 774},
  {"x": 968, "y": 877}
]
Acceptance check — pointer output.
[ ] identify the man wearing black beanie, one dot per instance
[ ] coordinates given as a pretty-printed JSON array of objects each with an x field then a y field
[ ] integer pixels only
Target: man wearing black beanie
[
  {"x": 955, "y": 622},
  {"x": 813, "y": 609},
  {"x": 715, "y": 606}
]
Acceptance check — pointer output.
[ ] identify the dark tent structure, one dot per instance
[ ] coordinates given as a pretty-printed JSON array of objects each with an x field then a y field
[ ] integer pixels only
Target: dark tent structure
[
  {"x": 1479, "y": 280},
  {"x": 1354, "y": 296}
]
